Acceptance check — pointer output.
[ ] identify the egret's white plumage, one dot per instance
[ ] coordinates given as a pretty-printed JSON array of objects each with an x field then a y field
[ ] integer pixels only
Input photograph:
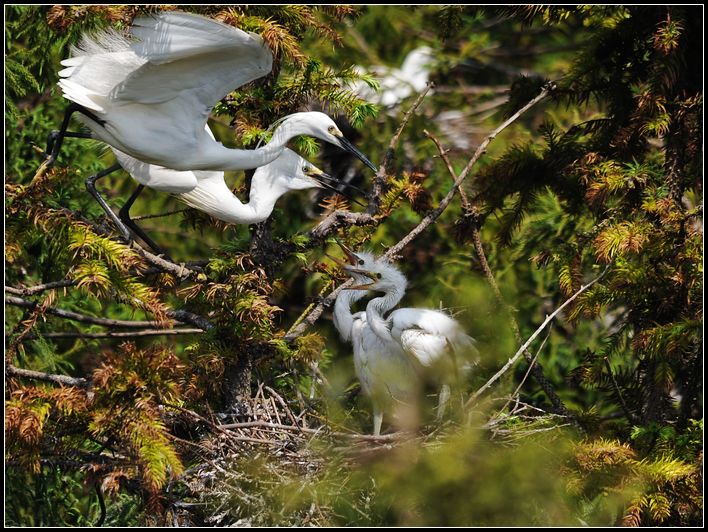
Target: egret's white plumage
[
  {"x": 427, "y": 334},
  {"x": 387, "y": 375},
  {"x": 149, "y": 93},
  {"x": 397, "y": 84},
  {"x": 435, "y": 341},
  {"x": 287, "y": 173}
]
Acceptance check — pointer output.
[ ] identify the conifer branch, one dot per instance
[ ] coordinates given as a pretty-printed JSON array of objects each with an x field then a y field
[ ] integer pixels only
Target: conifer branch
[
  {"x": 64, "y": 380},
  {"x": 117, "y": 334}
]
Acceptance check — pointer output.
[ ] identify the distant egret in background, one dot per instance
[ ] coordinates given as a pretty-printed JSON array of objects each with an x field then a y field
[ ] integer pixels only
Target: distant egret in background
[
  {"x": 387, "y": 374},
  {"x": 397, "y": 84},
  {"x": 149, "y": 93},
  {"x": 436, "y": 341}
]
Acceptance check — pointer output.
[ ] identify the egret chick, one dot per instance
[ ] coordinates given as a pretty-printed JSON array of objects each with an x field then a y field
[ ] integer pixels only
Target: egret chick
[
  {"x": 387, "y": 374},
  {"x": 436, "y": 341}
]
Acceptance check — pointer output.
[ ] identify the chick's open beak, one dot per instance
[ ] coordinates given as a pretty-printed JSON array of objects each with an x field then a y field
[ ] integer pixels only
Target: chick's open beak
[{"x": 352, "y": 257}]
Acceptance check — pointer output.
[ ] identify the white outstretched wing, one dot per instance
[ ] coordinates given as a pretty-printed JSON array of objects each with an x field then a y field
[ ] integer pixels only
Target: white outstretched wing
[{"x": 193, "y": 58}]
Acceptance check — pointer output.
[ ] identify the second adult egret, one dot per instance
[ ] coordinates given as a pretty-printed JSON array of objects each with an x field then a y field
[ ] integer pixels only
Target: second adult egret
[
  {"x": 386, "y": 373},
  {"x": 149, "y": 93},
  {"x": 211, "y": 195}
]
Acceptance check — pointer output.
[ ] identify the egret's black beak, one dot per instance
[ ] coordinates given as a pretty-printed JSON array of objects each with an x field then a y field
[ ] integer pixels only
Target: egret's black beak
[
  {"x": 352, "y": 257},
  {"x": 326, "y": 179},
  {"x": 352, "y": 149},
  {"x": 329, "y": 182}
]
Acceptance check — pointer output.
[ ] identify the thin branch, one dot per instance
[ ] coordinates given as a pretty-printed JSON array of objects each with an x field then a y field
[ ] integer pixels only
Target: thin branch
[
  {"x": 337, "y": 219},
  {"x": 185, "y": 316},
  {"x": 320, "y": 431},
  {"x": 310, "y": 316},
  {"x": 65, "y": 380},
  {"x": 30, "y": 290},
  {"x": 114, "y": 334},
  {"x": 83, "y": 318},
  {"x": 178, "y": 315},
  {"x": 528, "y": 342},
  {"x": 526, "y": 375},
  {"x": 627, "y": 412},
  {"x": 481, "y": 149},
  {"x": 181, "y": 271},
  {"x": 381, "y": 178},
  {"x": 443, "y": 155},
  {"x": 535, "y": 368},
  {"x": 160, "y": 215}
]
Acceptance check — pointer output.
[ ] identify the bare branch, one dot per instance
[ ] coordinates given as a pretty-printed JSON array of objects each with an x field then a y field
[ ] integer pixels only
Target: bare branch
[
  {"x": 528, "y": 342},
  {"x": 65, "y": 380},
  {"x": 303, "y": 323},
  {"x": 338, "y": 219},
  {"x": 179, "y": 315},
  {"x": 627, "y": 412},
  {"x": 443, "y": 155},
  {"x": 481, "y": 149},
  {"x": 321, "y": 431},
  {"x": 114, "y": 334},
  {"x": 30, "y": 290},
  {"x": 181, "y": 271},
  {"x": 381, "y": 177}
]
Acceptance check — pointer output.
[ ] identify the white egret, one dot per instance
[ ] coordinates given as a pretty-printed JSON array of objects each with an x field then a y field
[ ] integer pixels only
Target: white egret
[
  {"x": 149, "y": 93},
  {"x": 211, "y": 195},
  {"x": 436, "y": 341},
  {"x": 386, "y": 373},
  {"x": 207, "y": 191},
  {"x": 397, "y": 84}
]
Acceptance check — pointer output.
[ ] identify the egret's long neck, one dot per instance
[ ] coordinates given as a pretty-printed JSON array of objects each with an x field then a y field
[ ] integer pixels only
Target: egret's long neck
[
  {"x": 378, "y": 307},
  {"x": 214, "y": 197},
  {"x": 215, "y": 156},
  {"x": 343, "y": 317}
]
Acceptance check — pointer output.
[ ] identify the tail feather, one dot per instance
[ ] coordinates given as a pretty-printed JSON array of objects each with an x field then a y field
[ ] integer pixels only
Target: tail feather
[{"x": 76, "y": 93}]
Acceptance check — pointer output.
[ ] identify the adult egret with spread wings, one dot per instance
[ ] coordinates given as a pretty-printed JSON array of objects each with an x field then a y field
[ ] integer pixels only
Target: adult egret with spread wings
[
  {"x": 149, "y": 93},
  {"x": 387, "y": 374}
]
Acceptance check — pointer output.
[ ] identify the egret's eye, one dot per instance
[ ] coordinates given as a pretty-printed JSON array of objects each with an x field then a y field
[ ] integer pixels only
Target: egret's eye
[
  {"x": 305, "y": 168},
  {"x": 379, "y": 276},
  {"x": 361, "y": 262},
  {"x": 332, "y": 129}
]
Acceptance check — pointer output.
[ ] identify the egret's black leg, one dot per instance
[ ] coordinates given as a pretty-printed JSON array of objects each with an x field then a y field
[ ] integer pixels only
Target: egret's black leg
[
  {"x": 124, "y": 214},
  {"x": 91, "y": 187},
  {"x": 54, "y": 135},
  {"x": 57, "y": 140}
]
